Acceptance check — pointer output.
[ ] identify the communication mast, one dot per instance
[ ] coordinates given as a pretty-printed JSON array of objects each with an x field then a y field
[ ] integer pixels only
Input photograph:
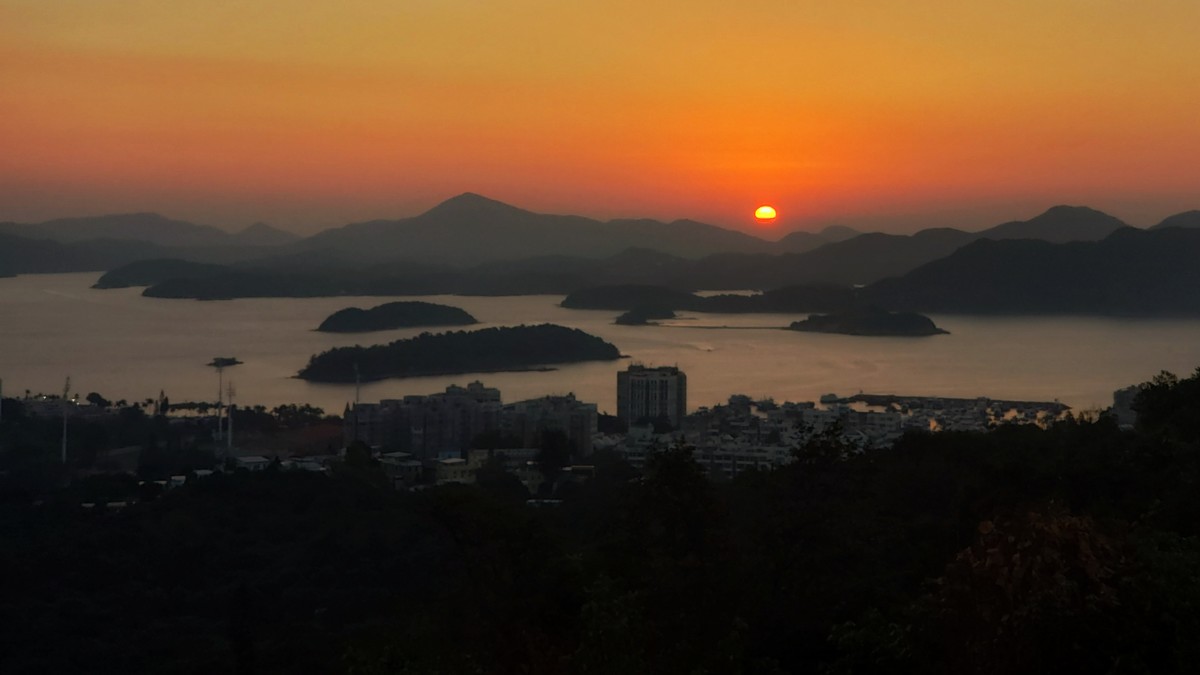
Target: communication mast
[
  {"x": 220, "y": 393},
  {"x": 65, "y": 404},
  {"x": 220, "y": 363},
  {"x": 229, "y": 419}
]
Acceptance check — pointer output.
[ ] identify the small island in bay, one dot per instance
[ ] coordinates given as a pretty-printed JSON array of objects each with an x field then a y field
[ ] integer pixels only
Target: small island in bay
[
  {"x": 644, "y": 316},
  {"x": 224, "y": 362},
  {"x": 870, "y": 322},
  {"x": 395, "y": 315},
  {"x": 487, "y": 350},
  {"x": 625, "y": 297}
]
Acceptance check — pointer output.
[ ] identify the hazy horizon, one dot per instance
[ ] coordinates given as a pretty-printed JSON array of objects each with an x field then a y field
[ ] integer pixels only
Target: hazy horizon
[
  {"x": 970, "y": 220},
  {"x": 886, "y": 117}
]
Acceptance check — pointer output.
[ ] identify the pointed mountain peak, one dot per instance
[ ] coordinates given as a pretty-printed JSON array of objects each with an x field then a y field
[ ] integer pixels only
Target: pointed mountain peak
[
  {"x": 469, "y": 204},
  {"x": 1064, "y": 212},
  {"x": 1059, "y": 224}
]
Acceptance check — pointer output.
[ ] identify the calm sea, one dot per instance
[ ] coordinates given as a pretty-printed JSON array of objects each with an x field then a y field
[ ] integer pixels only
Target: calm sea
[{"x": 122, "y": 345}]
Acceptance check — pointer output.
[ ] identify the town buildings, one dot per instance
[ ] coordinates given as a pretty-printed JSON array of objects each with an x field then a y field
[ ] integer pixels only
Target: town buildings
[
  {"x": 442, "y": 426},
  {"x": 528, "y": 420},
  {"x": 652, "y": 395},
  {"x": 435, "y": 426}
]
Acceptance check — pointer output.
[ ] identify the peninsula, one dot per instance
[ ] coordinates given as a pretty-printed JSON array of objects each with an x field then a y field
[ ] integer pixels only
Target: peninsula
[
  {"x": 409, "y": 314},
  {"x": 156, "y": 271},
  {"x": 487, "y": 350},
  {"x": 869, "y": 322}
]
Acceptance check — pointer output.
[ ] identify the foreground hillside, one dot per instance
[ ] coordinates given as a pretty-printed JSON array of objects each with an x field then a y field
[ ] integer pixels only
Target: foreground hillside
[{"x": 1067, "y": 550}]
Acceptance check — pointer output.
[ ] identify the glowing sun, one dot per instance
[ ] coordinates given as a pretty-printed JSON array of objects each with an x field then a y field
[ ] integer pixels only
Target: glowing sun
[{"x": 764, "y": 214}]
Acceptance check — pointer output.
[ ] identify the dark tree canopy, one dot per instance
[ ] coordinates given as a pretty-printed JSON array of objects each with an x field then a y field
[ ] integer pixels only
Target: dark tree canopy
[{"x": 487, "y": 350}]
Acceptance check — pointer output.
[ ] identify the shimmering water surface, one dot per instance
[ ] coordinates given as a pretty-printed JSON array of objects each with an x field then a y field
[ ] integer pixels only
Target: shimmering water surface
[{"x": 125, "y": 346}]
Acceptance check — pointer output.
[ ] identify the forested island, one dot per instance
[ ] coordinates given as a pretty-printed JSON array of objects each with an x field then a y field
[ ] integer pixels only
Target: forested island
[
  {"x": 487, "y": 350},
  {"x": 405, "y": 314},
  {"x": 869, "y": 322}
]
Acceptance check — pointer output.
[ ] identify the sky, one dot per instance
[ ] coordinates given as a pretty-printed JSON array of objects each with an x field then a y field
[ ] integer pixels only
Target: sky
[{"x": 882, "y": 115}]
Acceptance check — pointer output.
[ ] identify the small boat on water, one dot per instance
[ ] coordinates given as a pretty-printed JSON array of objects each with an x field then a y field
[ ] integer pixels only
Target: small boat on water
[{"x": 224, "y": 362}]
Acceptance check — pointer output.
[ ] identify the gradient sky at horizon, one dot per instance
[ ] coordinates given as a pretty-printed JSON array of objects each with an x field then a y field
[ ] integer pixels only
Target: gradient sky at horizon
[{"x": 882, "y": 115}]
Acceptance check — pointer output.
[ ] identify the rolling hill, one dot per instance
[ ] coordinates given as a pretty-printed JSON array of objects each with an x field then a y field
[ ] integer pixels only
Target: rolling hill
[
  {"x": 1058, "y": 225},
  {"x": 1130, "y": 273},
  {"x": 471, "y": 229}
]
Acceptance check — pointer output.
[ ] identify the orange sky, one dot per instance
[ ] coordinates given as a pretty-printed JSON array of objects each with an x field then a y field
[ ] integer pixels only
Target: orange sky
[{"x": 888, "y": 115}]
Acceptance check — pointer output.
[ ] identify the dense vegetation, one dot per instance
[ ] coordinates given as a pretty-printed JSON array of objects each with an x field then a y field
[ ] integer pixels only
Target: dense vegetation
[
  {"x": 869, "y": 322},
  {"x": 394, "y": 315},
  {"x": 136, "y": 438},
  {"x": 1073, "y": 549},
  {"x": 487, "y": 350}
]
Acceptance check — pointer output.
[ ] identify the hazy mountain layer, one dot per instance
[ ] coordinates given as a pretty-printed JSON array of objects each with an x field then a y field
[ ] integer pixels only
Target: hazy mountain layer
[
  {"x": 1185, "y": 219},
  {"x": 1130, "y": 272},
  {"x": 25, "y": 255},
  {"x": 470, "y": 229},
  {"x": 150, "y": 228},
  {"x": 1059, "y": 225}
]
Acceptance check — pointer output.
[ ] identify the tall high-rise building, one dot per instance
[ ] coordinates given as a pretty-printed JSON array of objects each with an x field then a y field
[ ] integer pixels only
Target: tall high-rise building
[{"x": 652, "y": 394}]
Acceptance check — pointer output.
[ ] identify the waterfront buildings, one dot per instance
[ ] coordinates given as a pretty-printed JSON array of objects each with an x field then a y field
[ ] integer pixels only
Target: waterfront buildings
[
  {"x": 652, "y": 395},
  {"x": 528, "y": 420},
  {"x": 429, "y": 427},
  {"x": 442, "y": 426}
]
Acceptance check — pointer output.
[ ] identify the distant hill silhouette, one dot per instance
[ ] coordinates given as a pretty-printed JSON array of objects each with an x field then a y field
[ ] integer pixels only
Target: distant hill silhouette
[
  {"x": 470, "y": 229},
  {"x": 154, "y": 271},
  {"x": 800, "y": 241},
  {"x": 1130, "y": 272},
  {"x": 1059, "y": 224},
  {"x": 145, "y": 227},
  {"x": 861, "y": 260},
  {"x": 870, "y": 257},
  {"x": 1185, "y": 219},
  {"x": 107, "y": 242},
  {"x": 26, "y": 255},
  {"x": 262, "y": 234}
]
